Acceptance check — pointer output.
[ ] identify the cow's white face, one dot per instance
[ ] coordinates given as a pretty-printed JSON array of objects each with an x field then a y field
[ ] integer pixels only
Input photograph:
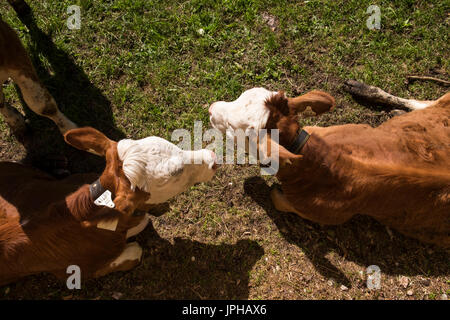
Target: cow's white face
[
  {"x": 161, "y": 168},
  {"x": 247, "y": 112}
]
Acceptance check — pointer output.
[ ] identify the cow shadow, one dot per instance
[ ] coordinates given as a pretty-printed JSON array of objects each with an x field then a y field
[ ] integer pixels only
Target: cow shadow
[
  {"x": 188, "y": 269},
  {"x": 362, "y": 240},
  {"x": 175, "y": 269},
  {"x": 76, "y": 96}
]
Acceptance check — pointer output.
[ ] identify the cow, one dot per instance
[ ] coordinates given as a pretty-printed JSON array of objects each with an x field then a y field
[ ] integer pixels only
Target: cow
[
  {"x": 16, "y": 64},
  {"x": 47, "y": 225},
  {"x": 397, "y": 173}
]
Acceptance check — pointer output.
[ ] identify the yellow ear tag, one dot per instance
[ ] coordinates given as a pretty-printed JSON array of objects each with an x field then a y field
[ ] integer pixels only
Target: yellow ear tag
[{"x": 108, "y": 224}]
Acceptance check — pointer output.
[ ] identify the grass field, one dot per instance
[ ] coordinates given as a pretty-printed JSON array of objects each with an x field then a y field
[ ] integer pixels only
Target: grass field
[{"x": 138, "y": 68}]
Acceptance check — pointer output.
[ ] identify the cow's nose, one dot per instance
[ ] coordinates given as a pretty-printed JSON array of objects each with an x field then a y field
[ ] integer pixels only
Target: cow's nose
[
  {"x": 215, "y": 165},
  {"x": 213, "y": 155}
]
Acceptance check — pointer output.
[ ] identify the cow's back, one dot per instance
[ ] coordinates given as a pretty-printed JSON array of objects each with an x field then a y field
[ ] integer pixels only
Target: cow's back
[
  {"x": 418, "y": 139},
  {"x": 425, "y": 133},
  {"x": 398, "y": 173}
]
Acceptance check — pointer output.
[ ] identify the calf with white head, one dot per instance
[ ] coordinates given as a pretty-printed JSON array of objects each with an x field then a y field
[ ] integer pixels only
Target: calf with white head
[
  {"x": 151, "y": 165},
  {"x": 396, "y": 173},
  {"x": 259, "y": 108},
  {"x": 48, "y": 224}
]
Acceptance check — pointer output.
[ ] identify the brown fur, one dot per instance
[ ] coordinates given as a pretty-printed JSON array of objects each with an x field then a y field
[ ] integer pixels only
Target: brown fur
[
  {"x": 48, "y": 224},
  {"x": 398, "y": 173}
]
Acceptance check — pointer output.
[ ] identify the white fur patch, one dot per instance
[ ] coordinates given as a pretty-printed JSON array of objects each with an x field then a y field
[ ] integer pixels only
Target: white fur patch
[
  {"x": 246, "y": 112},
  {"x": 418, "y": 105},
  {"x": 161, "y": 168},
  {"x": 132, "y": 251}
]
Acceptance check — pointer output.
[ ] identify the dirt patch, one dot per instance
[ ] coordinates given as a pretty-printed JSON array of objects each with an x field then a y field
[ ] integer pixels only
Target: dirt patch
[{"x": 270, "y": 20}]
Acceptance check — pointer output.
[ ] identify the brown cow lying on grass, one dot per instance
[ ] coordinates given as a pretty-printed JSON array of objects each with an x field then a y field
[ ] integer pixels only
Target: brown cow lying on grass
[
  {"x": 47, "y": 225},
  {"x": 397, "y": 173},
  {"x": 15, "y": 64}
]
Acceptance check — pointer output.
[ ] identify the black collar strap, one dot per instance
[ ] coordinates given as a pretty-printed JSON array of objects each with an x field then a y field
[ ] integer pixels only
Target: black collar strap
[
  {"x": 96, "y": 189},
  {"x": 299, "y": 142}
]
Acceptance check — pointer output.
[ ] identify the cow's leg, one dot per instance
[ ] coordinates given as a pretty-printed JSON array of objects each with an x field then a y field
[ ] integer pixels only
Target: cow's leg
[
  {"x": 139, "y": 228},
  {"x": 39, "y": 99},
  {"x": 282, "y": 204},
  {"x": 13, "y": 118},
  {"x": 376, "y": 95},
  {"x": 128, "y": 259}
]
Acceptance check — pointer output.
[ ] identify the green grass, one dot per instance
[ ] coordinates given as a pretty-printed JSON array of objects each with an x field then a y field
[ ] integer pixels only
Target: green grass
[
  {"x": 149, "y": 60},
  {"x": 141, "y": 68}
]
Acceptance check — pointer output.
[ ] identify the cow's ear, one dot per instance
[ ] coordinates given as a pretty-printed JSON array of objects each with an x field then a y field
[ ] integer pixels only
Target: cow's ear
[
  {"x": 88, "y": 139},
  {"x": 318, "y": 101}
]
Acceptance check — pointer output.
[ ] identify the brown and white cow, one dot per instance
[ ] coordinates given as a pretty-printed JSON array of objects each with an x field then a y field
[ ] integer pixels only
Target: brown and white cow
[
  {"x": 16, "y": 64},
  {"x": 47, "y": 225},
  {"x": 398, "y": 172}
]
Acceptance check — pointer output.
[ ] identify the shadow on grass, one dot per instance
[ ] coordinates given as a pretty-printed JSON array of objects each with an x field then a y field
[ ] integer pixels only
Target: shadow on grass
[
  {"x": 177, "y": 269},
  {"x": 361, "y": 240},
  {"x": 187, "y": 269},
  {"x": 79, "y": 99}
]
